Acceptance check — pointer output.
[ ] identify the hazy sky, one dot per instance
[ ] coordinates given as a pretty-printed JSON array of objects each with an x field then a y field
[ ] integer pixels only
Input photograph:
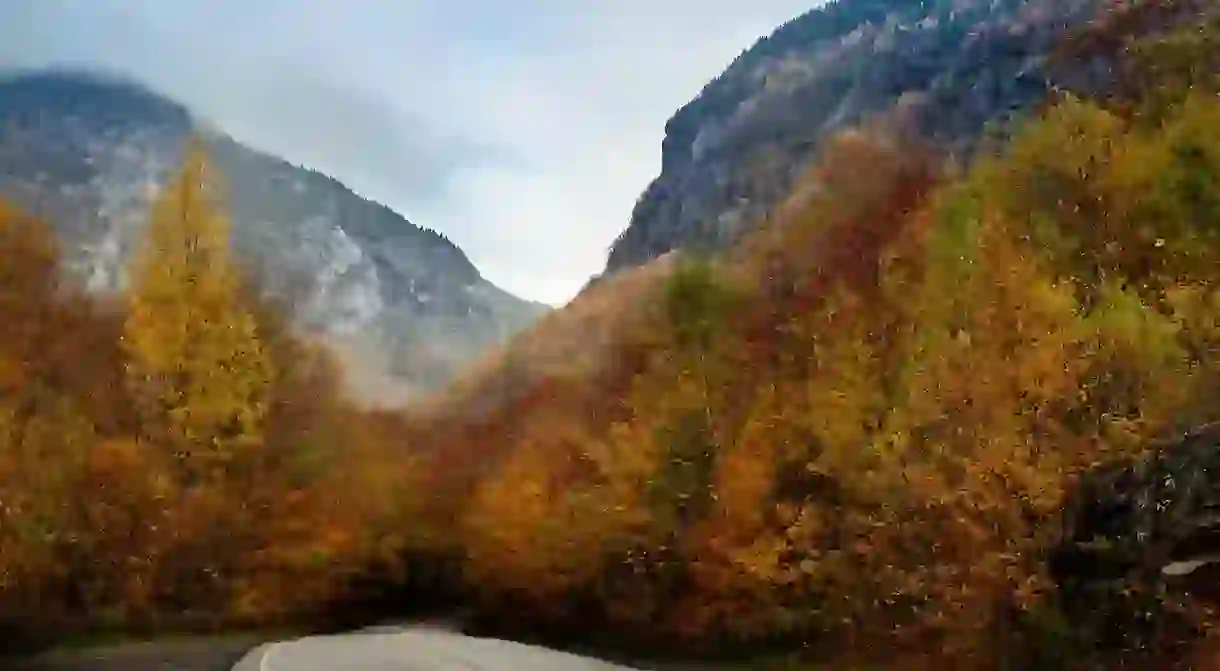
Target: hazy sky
[{"x": 524, "y": 130}]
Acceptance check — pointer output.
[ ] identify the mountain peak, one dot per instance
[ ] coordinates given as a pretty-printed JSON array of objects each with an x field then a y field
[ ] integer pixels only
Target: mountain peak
[
  {"x": 731, "y": 154},
  {"x": 89, "y": 151},
  {"x": 98, "y": 95}
]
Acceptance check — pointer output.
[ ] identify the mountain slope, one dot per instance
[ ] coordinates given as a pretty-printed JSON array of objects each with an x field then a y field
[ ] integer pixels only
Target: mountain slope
[
  {"x": 949, "y": 67},
  {"x": 403, "y": 303}
]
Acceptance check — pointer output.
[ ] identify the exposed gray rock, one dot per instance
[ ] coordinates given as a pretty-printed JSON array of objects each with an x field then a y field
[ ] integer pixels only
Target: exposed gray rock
[
  {"x": 403, "y": 303},
  {"x": 731, "y": 154}
]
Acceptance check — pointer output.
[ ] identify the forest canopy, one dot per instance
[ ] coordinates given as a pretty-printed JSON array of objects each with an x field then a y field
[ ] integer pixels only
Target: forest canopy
[{"x": 856, "y": 439}]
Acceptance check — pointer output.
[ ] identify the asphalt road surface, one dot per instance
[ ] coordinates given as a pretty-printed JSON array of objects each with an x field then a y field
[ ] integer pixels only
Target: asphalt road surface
[
  {"x": 202, "y": 654},
  {"x": 417, "y": 649},
  {"x": 391, "y": 648}
]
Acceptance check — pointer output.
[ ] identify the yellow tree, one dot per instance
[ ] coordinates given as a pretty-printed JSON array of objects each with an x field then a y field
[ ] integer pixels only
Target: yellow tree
[{"x": 194, "y": 360}]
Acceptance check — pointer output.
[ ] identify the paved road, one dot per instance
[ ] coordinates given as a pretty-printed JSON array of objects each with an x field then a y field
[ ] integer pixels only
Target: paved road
[
  {"x": 203, "y": 654},
  {"x": 416, "y": 649}
]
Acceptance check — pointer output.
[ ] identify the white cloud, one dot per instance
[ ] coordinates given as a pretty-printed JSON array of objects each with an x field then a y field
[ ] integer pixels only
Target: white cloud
[{"x": 525, "y": 131}]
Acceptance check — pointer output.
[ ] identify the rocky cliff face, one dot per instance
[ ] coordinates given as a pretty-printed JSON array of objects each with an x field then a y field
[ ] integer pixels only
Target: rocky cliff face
[
  {"x": 734, "y": 151},
  {"x": 403, "y": 303}
]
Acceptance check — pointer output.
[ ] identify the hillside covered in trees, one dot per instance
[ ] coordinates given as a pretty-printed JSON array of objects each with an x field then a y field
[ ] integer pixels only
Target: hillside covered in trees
[
  {"x": 403, "y": 304},
  {"x": 177, "y": 453},
  {"x": 852, "y": 436},
  {"x": 950, "y": 68}
]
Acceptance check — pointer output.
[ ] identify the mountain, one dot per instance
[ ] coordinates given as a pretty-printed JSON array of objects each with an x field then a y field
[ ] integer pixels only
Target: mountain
[
  {"x": 949, "y": 68},
  {"x": 402, "y": 303}
]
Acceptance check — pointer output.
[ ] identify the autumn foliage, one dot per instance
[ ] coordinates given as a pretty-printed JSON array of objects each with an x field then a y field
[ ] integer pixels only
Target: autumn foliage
[
  {"x": 177, "y": 458},
  {"x": 851, "y": 435},
  {"x": 858, "y": 434}
]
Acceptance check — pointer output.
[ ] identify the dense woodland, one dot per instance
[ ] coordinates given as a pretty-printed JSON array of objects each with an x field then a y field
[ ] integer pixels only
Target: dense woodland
[{"x": 852, "y": 436}]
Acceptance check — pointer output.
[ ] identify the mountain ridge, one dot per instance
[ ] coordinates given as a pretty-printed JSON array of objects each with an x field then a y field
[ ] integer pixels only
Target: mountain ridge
[
  {"x": 948, "y": 68},
  {"x": 87, "y": 151}
]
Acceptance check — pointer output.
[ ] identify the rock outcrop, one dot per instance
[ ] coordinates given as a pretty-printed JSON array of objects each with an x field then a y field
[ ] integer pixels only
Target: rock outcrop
[
  {"x": 402, "y": 303},
  {"x": 953, "y": 68}
]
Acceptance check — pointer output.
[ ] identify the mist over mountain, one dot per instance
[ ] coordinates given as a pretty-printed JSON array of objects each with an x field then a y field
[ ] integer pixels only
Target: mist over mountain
[{"x": 404, "y": 305}]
